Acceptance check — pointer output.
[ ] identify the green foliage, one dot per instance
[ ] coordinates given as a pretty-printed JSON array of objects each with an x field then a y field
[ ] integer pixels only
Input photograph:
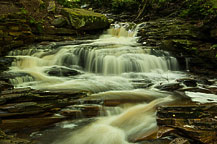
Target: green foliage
[{"x": 199, "y": 8}]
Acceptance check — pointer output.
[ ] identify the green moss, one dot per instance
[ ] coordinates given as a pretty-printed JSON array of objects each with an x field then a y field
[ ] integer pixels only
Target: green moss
[{"x": 84, "y": 19}]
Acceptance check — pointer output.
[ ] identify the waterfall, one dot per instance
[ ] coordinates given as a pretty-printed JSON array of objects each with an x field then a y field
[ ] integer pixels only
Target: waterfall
[
  {"x": 115, "y": 53},
  {"x": 113, "y": 67}
]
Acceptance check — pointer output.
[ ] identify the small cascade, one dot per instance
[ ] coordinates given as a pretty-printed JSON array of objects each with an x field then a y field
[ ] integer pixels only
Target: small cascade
[
  {"x": 117, "y": 61},
  {"x": 123, "y": 30},
  {"x": 115, "y": 53},
  {"x": 110, "y": 111},
  {"x": 21, "y": 79}
]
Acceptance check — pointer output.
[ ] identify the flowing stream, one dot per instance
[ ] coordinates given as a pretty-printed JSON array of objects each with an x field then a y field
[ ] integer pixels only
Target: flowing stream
[{"x": 114, "y": 66}]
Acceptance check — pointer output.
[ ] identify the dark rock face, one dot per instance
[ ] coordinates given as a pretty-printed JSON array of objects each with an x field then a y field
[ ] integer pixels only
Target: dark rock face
[
  {"x": 183, "y": 39},
  {"x": 196, "y": 122}
]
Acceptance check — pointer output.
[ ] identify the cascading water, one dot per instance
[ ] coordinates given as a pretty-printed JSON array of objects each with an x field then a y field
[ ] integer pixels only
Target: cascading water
[{"x": 111, "y": 67}]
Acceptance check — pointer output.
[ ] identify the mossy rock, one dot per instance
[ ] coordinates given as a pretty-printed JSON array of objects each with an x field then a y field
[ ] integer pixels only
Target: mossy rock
[
  {"x": 179, "y": 45},
  {"x": 84, "y": 19}
]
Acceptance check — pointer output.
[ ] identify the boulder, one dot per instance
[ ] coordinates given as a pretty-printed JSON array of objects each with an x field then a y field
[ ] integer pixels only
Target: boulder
[{"x": 82, "y": 19}]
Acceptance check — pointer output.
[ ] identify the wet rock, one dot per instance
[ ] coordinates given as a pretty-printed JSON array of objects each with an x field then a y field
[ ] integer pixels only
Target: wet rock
[
  {"x": 188, "y": 82},
  {"x": 32, "y": 124},
  {"x": 88, "y": 110},
  {"x": 62, "y": 71},
  {"x": 5, "y": 63},
  {"x": 201, "y": 90},
  {"x": 71, "y": 113},
  {"x": 156, "y": 141},
  {"x": 142, "y": 83},
  {"x": 5, "y": 86},
  {"x": 25, "y": 107},
  {"x": 30, "y": 95},
  {"x": 81, "y": 111},
  {"x": 169, "y": 87},
  {"x": 205, "y": 81},
  {"x": 26, "y": 102},
  {"x": 197, "y": 122},
  {"x": 84, "y": 19}
]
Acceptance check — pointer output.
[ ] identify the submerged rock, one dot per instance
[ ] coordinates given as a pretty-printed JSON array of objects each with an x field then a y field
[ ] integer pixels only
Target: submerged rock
[
  {"x": 84, "y": 19},
  {"x": 61, "y": 71}
]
